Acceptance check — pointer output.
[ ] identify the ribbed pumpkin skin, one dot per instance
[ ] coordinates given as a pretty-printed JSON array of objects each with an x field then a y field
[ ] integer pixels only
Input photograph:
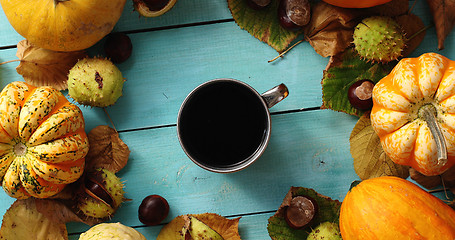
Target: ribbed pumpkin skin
[
  {"x": 60, "y": 25},
  {"x": 394, "y": 208},
  {"x": 42, "y": 141},
  {"x": 397, "y": 99}
]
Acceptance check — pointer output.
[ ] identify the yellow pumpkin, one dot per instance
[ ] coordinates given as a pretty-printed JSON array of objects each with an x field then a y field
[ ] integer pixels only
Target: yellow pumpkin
[
  {"x": 393, "y": 208},
  {"x": 414, "y": 113},
  {"x": 42, "y": 141},
  {"x": 63, "y": 25}
]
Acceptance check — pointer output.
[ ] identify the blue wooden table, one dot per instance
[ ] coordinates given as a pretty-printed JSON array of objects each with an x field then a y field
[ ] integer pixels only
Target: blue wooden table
[{"x": 195, "y": 42}]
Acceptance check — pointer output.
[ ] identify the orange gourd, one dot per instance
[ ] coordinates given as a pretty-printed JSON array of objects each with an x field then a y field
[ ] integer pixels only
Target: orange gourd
[
  {"x": 356, "y": 3},
  {"x": 394, "y": 208},
  {"x": 63, "y": 25},
  {"x": 42, "y": 141},
  {"x": 414, "y": 113}
]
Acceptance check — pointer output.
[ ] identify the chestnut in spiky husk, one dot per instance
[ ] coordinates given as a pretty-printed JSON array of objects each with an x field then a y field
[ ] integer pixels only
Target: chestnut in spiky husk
[{"x": 101, "y": 194}]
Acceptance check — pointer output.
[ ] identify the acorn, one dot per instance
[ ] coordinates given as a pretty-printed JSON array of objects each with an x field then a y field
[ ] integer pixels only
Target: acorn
[{"x": 101, "y": 194}]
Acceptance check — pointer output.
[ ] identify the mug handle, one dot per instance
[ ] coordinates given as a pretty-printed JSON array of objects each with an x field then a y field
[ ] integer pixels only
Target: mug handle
[{"x": 275, "y": 95}]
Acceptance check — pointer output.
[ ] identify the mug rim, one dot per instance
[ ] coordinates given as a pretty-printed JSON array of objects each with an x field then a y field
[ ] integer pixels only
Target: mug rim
[{"x": 244, "y": 163}]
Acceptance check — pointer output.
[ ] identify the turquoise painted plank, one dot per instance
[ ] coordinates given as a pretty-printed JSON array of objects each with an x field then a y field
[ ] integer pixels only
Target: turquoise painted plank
[
  {"x": 183, "y": 12},
  {"x": 308, "y": 149},
  {"x": 166, "y": 65}
]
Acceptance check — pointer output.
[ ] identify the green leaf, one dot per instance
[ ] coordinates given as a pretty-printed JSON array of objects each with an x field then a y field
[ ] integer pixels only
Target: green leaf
[
  {"x": 329, "y": 210},
  {"x": 342, "y": 71},
  {"x": 262, "y": 24},
  {"x": 370, "y": 160}
]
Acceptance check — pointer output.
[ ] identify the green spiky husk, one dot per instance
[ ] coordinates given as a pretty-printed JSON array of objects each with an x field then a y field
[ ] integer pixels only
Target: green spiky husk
[
  {"x": 379, "y": 39},
  {"x": 95, "y": 82},
  {"x": 96, "y": 208}
]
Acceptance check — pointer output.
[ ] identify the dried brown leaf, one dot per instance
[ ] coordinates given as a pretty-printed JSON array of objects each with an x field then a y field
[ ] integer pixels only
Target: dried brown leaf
[
  {"x": 414, "y": 30},
  {"x": 430, "y": 182},
  {"x": 392, "y": 9},
  {"x": 330, "y": 28},
  {"x": 444, "y": 18},
  {"x": 107, "y": 150},
  {"x": 42, "y": 67}
]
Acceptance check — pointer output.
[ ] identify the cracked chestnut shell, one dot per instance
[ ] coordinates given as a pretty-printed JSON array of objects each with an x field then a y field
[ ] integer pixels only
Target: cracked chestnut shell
[
  {"x": 153, "y": 8},
  {"x": 101, "y": 194}
]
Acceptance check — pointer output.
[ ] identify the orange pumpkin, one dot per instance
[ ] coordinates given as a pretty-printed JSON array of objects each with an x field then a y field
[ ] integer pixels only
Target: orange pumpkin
[
  {"x": 356, "y": 3},
  {"x": 42, "y": 141},
  {"x": 63, "y": 25},
  {"x": 394, "y": 208},
  {"x": 414, "y": 113}
]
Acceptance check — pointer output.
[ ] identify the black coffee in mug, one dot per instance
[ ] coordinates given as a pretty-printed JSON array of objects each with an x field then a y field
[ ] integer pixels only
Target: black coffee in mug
[{"x": 223, "y": 123}]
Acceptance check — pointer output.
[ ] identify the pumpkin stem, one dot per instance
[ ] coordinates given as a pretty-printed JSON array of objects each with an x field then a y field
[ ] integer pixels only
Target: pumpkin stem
[
  {"x": 20, "y": 149},
  {"x": 428, "y": 113}
]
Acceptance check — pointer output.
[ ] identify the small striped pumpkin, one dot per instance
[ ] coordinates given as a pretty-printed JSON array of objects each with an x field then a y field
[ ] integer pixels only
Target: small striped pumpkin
[
  {"x": 393, "y": 208},
  {"x": 42, "y": 141},
  {"x": 414, "y": 113}
]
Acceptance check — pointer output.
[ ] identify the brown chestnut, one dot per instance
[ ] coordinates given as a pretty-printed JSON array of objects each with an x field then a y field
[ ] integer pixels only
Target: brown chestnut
[
  {"x": 153, "y": 210},
  {"x": 118, "y": 47},
  {"x": 294, "y": 14},
  {"x": 98, "y": 191},
  {"x": 360, "y": 94},
  {"x": 258, "y": 4},
  {"x": 301, "y": 212}
]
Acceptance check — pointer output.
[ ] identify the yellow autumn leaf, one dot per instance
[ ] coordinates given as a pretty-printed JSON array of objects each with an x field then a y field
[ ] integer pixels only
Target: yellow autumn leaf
[
  {"x": 23, "y": 221},
  {"x": 370, "y": 160},
  {"x": 42, "y": 67},
  {"x": 227, "y": 228}
]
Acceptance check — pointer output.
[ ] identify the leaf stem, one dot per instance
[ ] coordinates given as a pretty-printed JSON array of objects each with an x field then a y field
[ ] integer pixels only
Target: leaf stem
[
  {"x": 287, "y": 50},
  {"x": 418, "y": 32},
  {"x": 110, "y": 119},
  {"x": 10, "y": 61},
  {"x": 428, "y": 114}
]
